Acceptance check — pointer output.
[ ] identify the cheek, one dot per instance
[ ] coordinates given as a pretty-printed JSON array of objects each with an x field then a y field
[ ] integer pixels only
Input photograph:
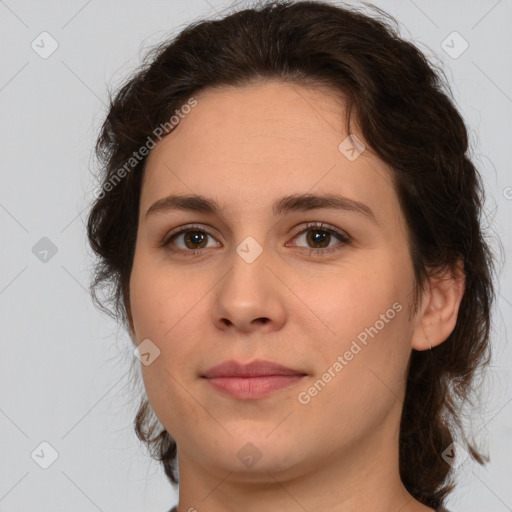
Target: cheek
[
  {"x": 164, "y": 310},
  {"x": 340, "y": 304},
  {"x": 159, "y": 298},
  {"x": 363, "y": 374},
  {"x": 360, "y": 315}
]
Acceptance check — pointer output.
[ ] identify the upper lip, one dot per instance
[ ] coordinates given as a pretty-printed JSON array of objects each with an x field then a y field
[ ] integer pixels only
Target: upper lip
[{"x": 253, "y": 369}]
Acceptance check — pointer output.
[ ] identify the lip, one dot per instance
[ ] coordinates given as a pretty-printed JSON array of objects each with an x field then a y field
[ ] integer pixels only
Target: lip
[
  {"x": 257, "y": 368},
  {"x": 253, "y": 380}
]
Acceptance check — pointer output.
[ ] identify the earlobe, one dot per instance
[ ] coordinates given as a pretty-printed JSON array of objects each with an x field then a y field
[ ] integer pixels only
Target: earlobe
[{"x": 438, "y": 315}]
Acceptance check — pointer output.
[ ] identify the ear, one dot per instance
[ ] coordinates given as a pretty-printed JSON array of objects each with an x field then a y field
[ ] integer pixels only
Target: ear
[{"x": 437, "y": 315}]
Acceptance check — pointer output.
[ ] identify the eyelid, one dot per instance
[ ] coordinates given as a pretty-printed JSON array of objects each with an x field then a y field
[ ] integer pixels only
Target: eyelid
[
  {"x": 187, "y": 227},
  {"x": 343, "y": 238}
]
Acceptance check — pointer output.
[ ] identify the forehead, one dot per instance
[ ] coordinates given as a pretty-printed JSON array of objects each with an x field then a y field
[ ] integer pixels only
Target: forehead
[
  {"x": 249, "y": 145},
  {"x": 263, "y": 117}
]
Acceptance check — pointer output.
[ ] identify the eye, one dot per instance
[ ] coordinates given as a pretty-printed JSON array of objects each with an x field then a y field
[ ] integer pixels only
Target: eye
[
  {"x": 319, "y": 237},
  {"x": 190, "y": 240}
]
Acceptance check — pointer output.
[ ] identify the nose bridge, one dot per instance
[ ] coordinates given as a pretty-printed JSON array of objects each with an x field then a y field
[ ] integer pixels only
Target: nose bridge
[
  {"x": 249, "y": 292},
  {"x": 247, "y": 277}
]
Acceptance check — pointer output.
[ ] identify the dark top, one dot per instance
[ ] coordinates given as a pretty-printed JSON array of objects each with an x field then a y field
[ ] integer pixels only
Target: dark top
[{"x": 174, "y": 509}]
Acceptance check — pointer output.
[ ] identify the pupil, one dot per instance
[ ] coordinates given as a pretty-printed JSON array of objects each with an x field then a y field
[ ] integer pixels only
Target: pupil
[
  {"x": 195, "y": 238},
  {"x": 318, "y": 237}
]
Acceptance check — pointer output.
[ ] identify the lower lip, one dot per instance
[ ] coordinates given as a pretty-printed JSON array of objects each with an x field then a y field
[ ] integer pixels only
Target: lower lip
[{"x": 253, "y": 387}]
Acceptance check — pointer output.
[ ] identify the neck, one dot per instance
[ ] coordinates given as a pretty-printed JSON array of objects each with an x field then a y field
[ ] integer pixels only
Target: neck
[{"x": 361, "y": 476}]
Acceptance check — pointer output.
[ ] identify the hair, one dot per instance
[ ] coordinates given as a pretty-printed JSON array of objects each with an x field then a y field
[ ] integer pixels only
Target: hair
[{"x": 404, "y": 111}]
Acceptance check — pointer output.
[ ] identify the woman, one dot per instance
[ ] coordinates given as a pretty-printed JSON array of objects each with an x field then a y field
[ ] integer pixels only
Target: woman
[{"x": 290, "y": 226}]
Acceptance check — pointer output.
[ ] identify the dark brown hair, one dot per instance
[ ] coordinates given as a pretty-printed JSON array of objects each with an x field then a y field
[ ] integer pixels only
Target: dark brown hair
[{"x": 404, "y": 114}]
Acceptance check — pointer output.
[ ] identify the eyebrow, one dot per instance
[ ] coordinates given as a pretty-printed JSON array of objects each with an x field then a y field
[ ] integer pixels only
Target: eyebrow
[{"x": 286, "y": 204}]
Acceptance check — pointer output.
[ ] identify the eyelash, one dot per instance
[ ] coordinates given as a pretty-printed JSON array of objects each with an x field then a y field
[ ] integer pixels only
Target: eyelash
[{"x": 318, "y": 226}]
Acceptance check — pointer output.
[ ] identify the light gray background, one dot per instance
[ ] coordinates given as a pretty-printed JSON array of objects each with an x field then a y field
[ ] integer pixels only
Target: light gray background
[{"x": 64, "y": 366}]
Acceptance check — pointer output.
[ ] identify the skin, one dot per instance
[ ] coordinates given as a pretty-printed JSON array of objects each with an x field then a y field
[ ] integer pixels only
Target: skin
[{"x": 246, "y": 147}]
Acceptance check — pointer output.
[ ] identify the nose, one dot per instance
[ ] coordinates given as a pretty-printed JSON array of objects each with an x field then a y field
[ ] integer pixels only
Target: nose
[{"x": 250, "y": 298}]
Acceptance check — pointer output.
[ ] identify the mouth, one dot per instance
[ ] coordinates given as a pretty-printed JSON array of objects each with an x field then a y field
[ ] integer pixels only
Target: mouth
[{"x": 251, "y": 381}]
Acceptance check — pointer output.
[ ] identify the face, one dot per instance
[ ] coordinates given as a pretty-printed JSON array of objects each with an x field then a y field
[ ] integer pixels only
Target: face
[{"x": 320, "y": 287}]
